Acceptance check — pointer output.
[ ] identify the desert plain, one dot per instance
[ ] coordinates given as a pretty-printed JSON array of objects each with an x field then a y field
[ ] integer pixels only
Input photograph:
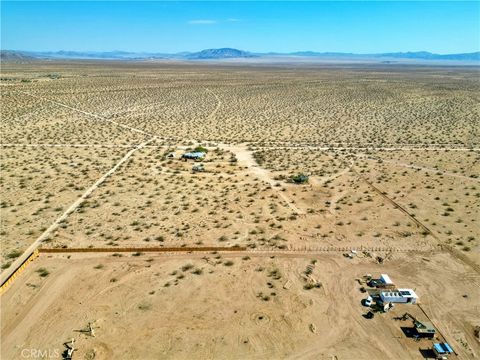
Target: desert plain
[{"x": 138, "y": 256}]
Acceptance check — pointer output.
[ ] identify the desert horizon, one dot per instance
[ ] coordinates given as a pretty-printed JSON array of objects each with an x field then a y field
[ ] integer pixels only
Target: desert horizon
[
  {"x": 110, "y": 209},
  {"x": 250, "y": 180}
]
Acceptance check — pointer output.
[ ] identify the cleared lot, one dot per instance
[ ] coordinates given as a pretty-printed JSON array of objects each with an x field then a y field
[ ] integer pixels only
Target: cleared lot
[{"x": 221, "y": 305}]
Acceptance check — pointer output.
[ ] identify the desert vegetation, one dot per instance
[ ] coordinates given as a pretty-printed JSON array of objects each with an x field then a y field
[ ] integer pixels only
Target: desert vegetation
[
  {"x": 38, "y": 184},
  {"x": 315, "y": 176},
  {"x": 319, "y": 106}
]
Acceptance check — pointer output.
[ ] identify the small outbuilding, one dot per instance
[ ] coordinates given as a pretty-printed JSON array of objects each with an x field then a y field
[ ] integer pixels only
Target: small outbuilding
[
  {"x": 386, "y": 281},
  {"x": 442, "y": 350},
  {"x": 198, "y": 168},
  {"x": 424, "y": 329},
  {"x": 406, "y": 296},
  {"x": 421, "y": 329}
]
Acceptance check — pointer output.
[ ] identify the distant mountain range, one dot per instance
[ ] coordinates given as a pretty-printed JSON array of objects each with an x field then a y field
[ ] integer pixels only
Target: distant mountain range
[
  {"x": 226, "y": 53},
  {"x": 14, "y": 56}
]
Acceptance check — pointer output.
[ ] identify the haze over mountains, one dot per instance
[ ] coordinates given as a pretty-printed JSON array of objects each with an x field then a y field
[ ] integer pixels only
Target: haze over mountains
[{"x": 228, "y": 53}]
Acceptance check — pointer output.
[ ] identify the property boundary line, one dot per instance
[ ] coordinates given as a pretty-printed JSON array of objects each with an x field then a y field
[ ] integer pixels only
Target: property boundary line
[
  {"x": 452, "y": 251},
  {"x": 37, "y": 243},
  {"x": 362, "y": 248},
  {"x": 436, "y": 327},
  {"x": 37, "y": 252},
  {"x": 140, "y": 249},
  {"x": 8, "y": 281},
  {"x": 306, "y": 249}
]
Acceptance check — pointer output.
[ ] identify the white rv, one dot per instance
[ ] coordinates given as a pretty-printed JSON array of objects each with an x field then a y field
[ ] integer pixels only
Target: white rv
[{"x": 406, "y": 296}]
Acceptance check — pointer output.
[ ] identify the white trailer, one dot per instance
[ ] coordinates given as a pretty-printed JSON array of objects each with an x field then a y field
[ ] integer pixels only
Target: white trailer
[{"x": 406, "y": 296}]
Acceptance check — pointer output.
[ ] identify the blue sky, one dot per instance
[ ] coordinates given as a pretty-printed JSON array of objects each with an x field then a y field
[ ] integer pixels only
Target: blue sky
[{"x": 342, "y": 26}]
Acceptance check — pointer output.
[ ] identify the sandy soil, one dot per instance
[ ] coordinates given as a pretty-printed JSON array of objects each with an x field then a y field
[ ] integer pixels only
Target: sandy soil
[
  {"x": 393, "y": 163},
  {"x": 353, "y": 105},
  {"x": 219, "y": 313},
  {"x": 39, "y": 184}
]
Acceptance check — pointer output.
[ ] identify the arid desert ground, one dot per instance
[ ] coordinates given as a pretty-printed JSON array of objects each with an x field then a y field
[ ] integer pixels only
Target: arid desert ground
[{"x": 134, "y": 255}]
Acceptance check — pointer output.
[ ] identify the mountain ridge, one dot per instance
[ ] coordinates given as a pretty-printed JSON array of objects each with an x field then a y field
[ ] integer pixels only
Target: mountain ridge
[
  {"x": 222, "y": 53},
  {"x": 225, "y": 53}
]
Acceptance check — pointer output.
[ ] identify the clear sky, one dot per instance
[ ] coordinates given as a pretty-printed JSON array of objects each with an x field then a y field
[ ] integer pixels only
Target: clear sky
[{"x": 342, "y": 26}]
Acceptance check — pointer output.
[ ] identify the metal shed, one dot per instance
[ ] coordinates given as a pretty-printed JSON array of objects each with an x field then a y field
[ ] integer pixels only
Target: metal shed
[
  {"x": 424, "y": 329},
  {"x": 386, "y": 279},
  {"x": 442, "y": 350}
]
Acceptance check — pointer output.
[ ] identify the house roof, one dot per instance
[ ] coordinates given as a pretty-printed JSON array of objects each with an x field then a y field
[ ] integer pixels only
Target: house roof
[{"x": 194, "y": 154}]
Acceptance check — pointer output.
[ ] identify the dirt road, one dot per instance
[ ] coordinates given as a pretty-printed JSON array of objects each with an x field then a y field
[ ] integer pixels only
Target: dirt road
[
  {"x": 367, "y": 148},
  {"x": 96, "y": 116},
  {"x": 416, "y": 167},
  {"x": 19, "y": 261},
  {"x": 450, "y": 249},
  {"x": 219, "y": 104},
  {"x": 245, "y": 157}
]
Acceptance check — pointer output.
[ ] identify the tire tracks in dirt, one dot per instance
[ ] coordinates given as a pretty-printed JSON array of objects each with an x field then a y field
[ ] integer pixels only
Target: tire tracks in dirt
[
  {"x": 332, "y": 147},
  {"x": 417, "y": 167},
  {"x": 96, "y": 116},
  {"x": 445, "y": 247},
  {"x": 451, "y": 250},
  {"x": 211, "y": 116},
  {"x": 245, "y": 156}
]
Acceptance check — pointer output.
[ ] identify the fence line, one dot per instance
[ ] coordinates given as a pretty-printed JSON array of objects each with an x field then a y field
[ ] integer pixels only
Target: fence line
[
  {"x": 18, "y": 271},
  {"x": 340, "y": 249},
  {"x": 344, "y": 249},
  {"x": 231, "y": 248},
  {"x": 141, "y": 249}
]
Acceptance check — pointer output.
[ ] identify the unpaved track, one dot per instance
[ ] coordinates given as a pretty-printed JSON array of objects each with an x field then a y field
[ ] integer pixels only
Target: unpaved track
[
  {"x": 299, "y": 253},
  {"x": 305, "y": 250},
  {"x": 29, "y": 251},
  {"x": 71, "y": 145},
  {"x": 32, "y": 310},
  {"x": 219, "y": 104},
  {"x": 454, "y": 252},
  {"x": 417, "y": 167},
  {"x": 450, "y": 249},
  {"x": 363, "y": 148},
  {"x": 245, "y": 156},
  {"x": 324, "y": 179},
  {"x": 124, "y": 146},
  {"x": 96, "y": 116}
]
